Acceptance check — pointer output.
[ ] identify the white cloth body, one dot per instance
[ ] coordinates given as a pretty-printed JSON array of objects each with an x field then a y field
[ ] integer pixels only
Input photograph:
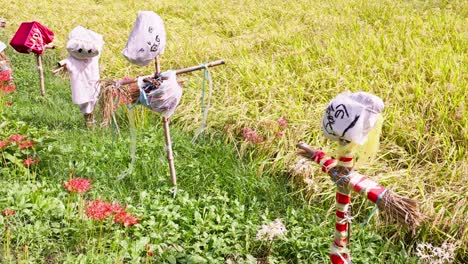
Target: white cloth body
[
  {"x": 87, "y": 108},
  {"x": 147, "y": 39},
  {"x": 166, "y": 97},
  {"x": 84, "y": 78}
]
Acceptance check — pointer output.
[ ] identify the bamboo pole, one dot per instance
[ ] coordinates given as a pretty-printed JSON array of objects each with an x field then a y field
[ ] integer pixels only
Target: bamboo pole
[
  {"x": 41, "y": 73},
  {"x": 167, "y": 133},
  {"x": 170, "y": 156}
]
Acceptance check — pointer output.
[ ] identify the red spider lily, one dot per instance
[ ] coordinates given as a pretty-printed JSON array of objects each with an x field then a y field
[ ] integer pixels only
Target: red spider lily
[
  {"x": 26, "y": 144},
  {"x": 77, "y": 185},
  {"x": 16, "y": 138},
  {"x": 9, "y": 89},
  {"x": 98, "y": 210},
  {"x": 5, "y": 76},
  {"x": 29, "y": 161},
  {"x": 282, "y": 122},
  {"x": 125, "y": 219},
  {"x": 8, "y": 212},
  {"x": 252, "y": 136},
  {"x": 3, "y": 144},
  {"x": 9, "y": 103},
  {"x": 116, "y": 208}
]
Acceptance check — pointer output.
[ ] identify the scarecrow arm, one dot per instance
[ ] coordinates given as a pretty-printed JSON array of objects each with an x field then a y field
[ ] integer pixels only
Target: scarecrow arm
[{"x": 400, "y": 209}]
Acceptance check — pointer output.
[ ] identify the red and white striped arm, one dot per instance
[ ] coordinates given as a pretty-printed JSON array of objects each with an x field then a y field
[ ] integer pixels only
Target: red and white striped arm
[{"x": 367, "y": 187}]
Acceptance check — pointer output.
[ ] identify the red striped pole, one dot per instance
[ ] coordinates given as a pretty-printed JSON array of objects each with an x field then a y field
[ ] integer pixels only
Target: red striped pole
[{"x": 339, "y": 252}]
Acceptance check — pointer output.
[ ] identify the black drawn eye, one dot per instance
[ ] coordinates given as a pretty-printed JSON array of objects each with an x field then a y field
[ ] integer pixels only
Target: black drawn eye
[
  {"x": 338, "y": 113},
  {"x": 80, "y": 50},
  {"x": 154, "y": 47},
  {"x": 89, "y": 51},
  {"x": 341, "y": 110}
]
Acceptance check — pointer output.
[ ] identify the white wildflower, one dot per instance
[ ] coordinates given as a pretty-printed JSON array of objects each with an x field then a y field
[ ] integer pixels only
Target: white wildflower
[
  {"x": 428, "y": 253},
  {"x": 271, "y": 231}
]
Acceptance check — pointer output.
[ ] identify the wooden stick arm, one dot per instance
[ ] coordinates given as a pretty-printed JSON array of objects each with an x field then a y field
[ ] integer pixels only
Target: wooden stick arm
[
  {"x": 199, "y": 67},
  {"x": 61, "y": 66},
  {"x": 178, "y": 71},
  {"x": 50, "y": 46},
  {"x": 308, "y": 150}
]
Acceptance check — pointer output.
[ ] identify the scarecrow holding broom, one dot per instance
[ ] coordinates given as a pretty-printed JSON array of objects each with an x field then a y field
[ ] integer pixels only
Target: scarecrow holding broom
[
  {"x": 354, "y": 120},
  {"x": 84, "y": 47}
]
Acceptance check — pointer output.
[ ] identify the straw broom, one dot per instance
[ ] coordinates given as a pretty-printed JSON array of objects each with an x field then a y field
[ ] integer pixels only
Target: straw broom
[{"x": 396, "y": 208}]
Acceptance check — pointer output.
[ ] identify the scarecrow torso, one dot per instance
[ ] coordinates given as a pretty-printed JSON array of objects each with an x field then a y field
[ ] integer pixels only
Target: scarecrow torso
[{"x": 84, "y": 78}]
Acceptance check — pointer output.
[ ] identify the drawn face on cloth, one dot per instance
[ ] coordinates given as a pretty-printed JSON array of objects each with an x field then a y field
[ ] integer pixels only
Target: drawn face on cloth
[
  {"x": 349, "y": 117},
  {"x": 147, "y": 39}
]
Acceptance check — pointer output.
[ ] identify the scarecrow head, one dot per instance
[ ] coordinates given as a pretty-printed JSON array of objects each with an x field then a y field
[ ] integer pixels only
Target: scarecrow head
[
  {"x": 349, "y": 117},
  {"x": 84, "y": 44}
]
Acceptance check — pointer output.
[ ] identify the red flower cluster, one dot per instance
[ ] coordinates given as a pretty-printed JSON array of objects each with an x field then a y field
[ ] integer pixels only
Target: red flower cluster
[
  {"x": 99, "y": 210},
  {"x": 9, "y": 103},
  {"x": 125, "y": 219},
  {"x": 2, "y": 144},
  {"x": 8, "y": 89},
  {"x": 29, "y": 161},
  {"x": 251, "y": 135},
  {"x": 26, "y": 144},
  {"x": 282, "y": 122},
  {"x": 5, "y": 76},
  {"x": 16, "y": 138},
  {"x": 21, "y": 141},
  {"x": 5, "y": 82},
  {"x": 77, "y": 185},
  {"x": 8, "y": 212}
]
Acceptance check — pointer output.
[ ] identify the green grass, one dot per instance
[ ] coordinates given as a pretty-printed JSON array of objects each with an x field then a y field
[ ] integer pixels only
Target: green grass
[
  {"x": 221, "y": 202},
  {"x": 289, "y": 59}
]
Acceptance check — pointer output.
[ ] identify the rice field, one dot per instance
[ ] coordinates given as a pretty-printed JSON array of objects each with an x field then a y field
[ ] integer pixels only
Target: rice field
[{"x": 288, "y": 60}]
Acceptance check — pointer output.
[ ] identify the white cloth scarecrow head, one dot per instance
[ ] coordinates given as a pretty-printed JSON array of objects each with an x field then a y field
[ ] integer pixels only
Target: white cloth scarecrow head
[
  {"x": 349, "y": 117},
  {"x": 147, "y": 39},
  {"x": 83, "y": 43}
]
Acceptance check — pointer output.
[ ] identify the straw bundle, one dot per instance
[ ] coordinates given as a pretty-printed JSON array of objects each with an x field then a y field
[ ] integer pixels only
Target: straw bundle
[{"x": 114, "y": 93}]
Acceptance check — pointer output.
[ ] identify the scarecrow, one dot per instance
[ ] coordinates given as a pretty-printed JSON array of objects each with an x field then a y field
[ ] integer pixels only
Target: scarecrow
[
  {"x": 36, "y": 38},
  {"x": 354, "y": 120},
  {"x": 160, "y": 92},
  {"x": 84, "y": 47}
]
